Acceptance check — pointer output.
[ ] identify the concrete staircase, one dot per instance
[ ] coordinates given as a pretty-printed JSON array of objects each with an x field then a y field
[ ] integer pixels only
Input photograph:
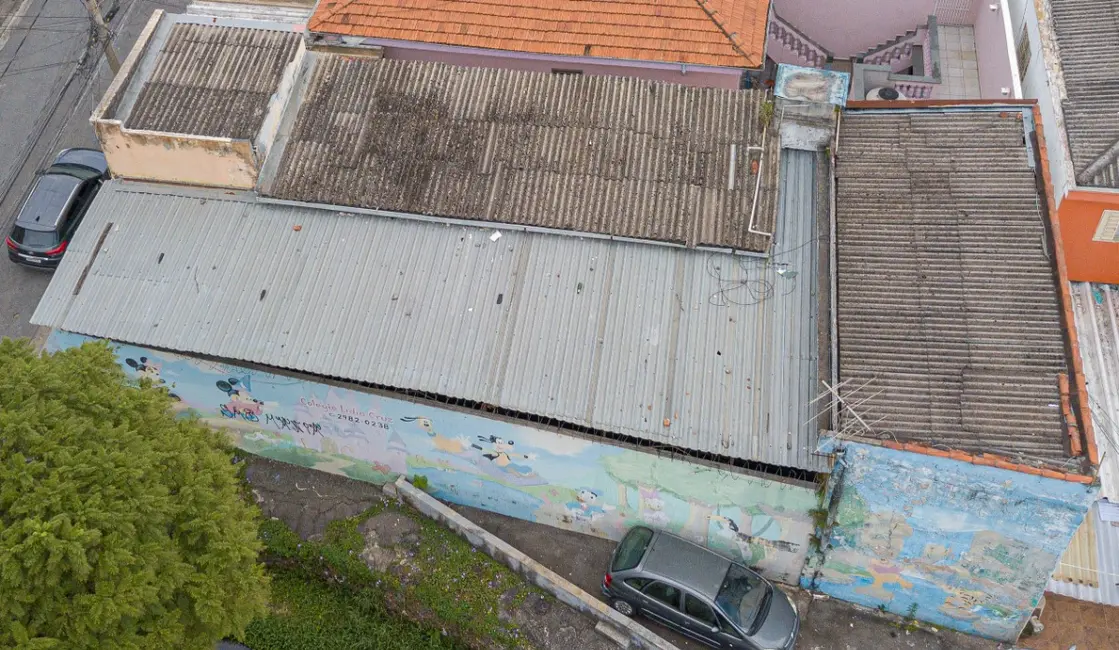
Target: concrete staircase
[
  {"x": 806, "y": 51},
  {"x": 890, "y": 51}
]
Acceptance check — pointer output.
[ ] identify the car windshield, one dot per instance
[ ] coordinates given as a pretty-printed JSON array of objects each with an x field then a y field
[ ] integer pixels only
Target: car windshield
[
  {"x": 35, "y": 239},
  {"x": 77, "y": 171},
  {"x": 632, "y": 549},
  {"x": 742, "y": 596}
]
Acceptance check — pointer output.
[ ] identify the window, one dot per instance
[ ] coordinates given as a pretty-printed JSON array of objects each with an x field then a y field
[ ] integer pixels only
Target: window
[
  {"x": 638, "y": 583},
  {"x": 1024, "y": 53},
  {"x": 742, "y": 596},
  {"x": 727, "y": 628},
  {"x": 79, "y": 206},
  {"x": 34, "y": 239},
  {"x": 632, "y": 549},
  {"x": 699, "y": 610},
  {"x": 1108, "y": 230},
  {"x": 667, "y": 594}
]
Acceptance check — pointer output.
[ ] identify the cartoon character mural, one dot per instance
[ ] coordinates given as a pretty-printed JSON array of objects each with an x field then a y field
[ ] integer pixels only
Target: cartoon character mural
[
  {"x": 241, "y": 402},
  {"x": 454, "y": 446},
  {"x": 572, "y": 482},
  {"x": 586, "y": 507},
  {"x": 499, "y": 451},
  {"x": 652, "y": 507},
  {"x": 150, "y": 370}
]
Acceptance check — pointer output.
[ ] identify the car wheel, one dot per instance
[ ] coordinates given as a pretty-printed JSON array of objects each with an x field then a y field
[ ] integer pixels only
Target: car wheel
[{"x": 624, "y": 607}]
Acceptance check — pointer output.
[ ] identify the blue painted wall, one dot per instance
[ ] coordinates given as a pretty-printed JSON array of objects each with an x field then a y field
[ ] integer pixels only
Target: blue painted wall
[
  {"x": 519, "y": 471},
  {"x": 970, "y": 547}
]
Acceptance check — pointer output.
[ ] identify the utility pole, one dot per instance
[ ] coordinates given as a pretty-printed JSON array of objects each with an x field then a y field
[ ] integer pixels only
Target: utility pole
[{"x": 103, "y": 34}]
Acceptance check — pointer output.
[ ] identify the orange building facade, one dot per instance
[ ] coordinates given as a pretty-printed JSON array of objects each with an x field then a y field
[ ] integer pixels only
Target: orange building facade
[{"x": 1090, "y": 233}]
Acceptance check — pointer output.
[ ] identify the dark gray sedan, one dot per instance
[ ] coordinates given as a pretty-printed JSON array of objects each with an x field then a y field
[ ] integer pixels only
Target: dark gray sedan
[{"x": 699, "y": 593}]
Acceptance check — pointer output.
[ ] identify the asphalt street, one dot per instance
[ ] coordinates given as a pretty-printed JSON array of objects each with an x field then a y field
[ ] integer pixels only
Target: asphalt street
[{"x": 52, "y": 74}]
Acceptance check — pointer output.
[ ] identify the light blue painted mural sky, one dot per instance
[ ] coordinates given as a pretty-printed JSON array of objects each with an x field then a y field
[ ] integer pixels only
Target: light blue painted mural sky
[
  {"x": 971, "y": 547},
  {"x": 538, "y": 475}
]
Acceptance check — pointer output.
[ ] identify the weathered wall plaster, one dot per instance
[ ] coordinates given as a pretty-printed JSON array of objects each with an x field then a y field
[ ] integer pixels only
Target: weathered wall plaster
[
  {"x": 519, "y": 471},
  {"x": 955, "y": 544},
  {"x": 172, "y": 158}
]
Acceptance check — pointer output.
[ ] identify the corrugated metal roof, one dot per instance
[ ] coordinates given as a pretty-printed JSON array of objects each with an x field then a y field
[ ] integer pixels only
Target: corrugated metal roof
[
  {"x": 213, "y": 80},
  {"x": 1096, "y": 308},
  {"x": 1106, "y": 549},
  {"x": 618, "y": 336},
  {"x": 1079, "y": 564},
  {"x": 600, "y": 154},
  {"x": 1087, "y": 34},
  {"x": 947, "y": 303}
]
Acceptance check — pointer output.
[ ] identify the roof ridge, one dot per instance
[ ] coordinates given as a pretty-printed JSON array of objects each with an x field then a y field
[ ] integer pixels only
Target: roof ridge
[{"x": 731, "y": 36}]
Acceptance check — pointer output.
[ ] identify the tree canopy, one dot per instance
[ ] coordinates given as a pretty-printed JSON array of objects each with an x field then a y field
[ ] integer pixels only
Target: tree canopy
[{"x": 120, "y": 525}]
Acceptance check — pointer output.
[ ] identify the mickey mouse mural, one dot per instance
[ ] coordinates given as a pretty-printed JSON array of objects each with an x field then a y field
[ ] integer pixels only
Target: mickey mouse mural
[
  {"x": 150, "y": 370},
  {"x": 241, "y": 403}
]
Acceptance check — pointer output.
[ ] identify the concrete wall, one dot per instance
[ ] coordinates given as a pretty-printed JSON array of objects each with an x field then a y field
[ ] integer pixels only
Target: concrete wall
[
  {"x": 689, "y": 75},
  {"x": 498, "y": 465},
  {"x": 993, "y": 53},
  {"x": 853, "y": 26},
  {"x": 959, "y": 545},
  {"x": 278, "y": 104},
  {"x": 1087, "y": 260},
  {"x": 172, "y": 158},
  {"x": 1041, "y": 81}
]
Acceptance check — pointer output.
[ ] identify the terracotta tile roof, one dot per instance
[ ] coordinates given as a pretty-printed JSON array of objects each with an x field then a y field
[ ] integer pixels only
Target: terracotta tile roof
[{"x": 701, "y": 32}]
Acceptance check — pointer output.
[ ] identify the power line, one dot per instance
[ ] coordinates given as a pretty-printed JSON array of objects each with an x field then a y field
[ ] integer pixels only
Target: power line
[
  {"x": 36, "y": 68},
  {"x": 64, "y": 41},
  {"x": 49, "y": 30}
]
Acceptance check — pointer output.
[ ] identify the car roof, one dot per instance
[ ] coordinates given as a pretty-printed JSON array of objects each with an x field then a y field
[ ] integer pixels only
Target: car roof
[
  {"x": 48, "y": 201},
  {"x": 91, "y": 158},
  {"x": 684, "y": 562}
]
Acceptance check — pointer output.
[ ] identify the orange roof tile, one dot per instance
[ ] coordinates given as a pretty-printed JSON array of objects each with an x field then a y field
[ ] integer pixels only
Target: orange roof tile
[{"x": 700, "y": 32}]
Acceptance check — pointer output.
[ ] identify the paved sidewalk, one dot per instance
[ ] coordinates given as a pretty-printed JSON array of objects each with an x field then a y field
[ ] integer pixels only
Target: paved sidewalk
[{"x": 827, "y": 624}]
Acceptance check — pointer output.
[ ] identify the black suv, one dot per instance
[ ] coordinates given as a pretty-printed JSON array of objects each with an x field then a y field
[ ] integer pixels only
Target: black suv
[{"x": 58, "y": 201}]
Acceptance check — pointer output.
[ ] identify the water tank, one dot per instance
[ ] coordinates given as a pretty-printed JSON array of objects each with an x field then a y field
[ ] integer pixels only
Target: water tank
[{"x": 884, "y": 93}]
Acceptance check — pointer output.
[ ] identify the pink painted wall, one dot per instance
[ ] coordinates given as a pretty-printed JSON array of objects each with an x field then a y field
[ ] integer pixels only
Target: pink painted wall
[
  {"x": 702, "y": 76},
  {"x": 853, "y": 26},
  {"x": 992, "y": 54}
]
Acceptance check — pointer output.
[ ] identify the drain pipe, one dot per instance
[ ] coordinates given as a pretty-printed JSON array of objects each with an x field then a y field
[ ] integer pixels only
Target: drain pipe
[{"x": 758, "y": 184}]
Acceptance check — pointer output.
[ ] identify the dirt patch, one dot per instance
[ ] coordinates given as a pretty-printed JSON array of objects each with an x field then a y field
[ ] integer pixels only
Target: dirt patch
[{"x": 349, "y": 533}]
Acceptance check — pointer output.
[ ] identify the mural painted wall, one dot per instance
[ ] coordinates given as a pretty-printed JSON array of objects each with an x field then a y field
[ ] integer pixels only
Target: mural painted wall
[
  {"x": 955, "y": 544},
  {"x": 514, "y": 470}
]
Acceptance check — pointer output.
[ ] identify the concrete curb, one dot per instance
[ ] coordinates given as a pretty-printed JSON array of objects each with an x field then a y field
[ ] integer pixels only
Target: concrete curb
[{"x": 637, "y": 635}]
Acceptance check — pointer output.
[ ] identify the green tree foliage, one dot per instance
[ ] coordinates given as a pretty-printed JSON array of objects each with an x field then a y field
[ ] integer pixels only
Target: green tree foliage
[{"x": 120, "y": 526}]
